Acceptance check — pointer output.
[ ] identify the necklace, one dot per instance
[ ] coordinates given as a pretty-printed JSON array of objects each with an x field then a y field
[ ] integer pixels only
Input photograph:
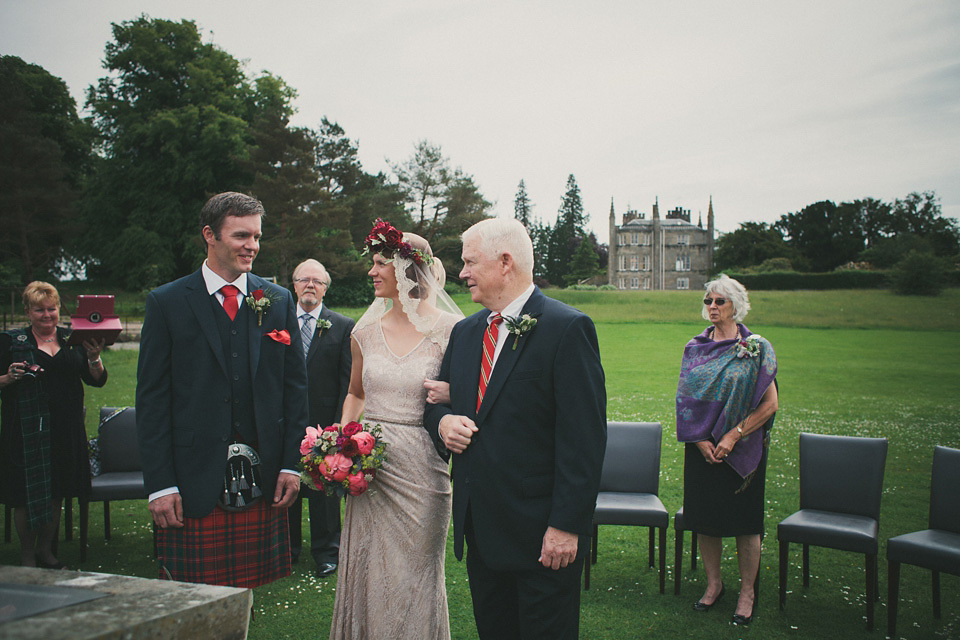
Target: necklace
[{"x": 41, "y": 338}]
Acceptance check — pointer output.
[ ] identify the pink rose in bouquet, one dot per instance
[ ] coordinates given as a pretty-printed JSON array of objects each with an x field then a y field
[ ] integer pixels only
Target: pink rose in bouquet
[
  {"x": 338, "y": 466},
  {"x": 309, "y": 441},
  {"x": 358, "y": 483},
  {"x": 365, "y": 442}
]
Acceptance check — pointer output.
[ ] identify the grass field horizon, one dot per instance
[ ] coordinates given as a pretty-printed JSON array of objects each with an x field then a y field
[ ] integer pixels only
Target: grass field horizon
[{"x": 853, "y": 362}]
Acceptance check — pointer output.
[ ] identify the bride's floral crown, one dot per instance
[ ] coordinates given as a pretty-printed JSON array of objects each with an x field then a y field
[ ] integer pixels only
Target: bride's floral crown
[{"x": 387, "y": 240}]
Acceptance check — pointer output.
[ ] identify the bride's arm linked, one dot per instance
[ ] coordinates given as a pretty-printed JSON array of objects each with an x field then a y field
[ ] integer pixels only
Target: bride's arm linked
[{"x": 353, "y": 403}]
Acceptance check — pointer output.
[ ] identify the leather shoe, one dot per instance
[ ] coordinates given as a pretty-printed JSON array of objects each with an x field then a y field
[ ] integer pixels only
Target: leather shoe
[
  {"x": 739, "y": 619},
  {"x": 326, "y": 568},
  {"x": 703, "y": 607}
]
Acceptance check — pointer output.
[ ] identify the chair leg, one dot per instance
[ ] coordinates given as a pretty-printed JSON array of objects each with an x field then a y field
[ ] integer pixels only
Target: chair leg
[
  {"x": 936, "y": 594},
  {"x": 663, "y": 558},
  {"x": 106, "y": 519},
  {"x": 784, "y": 557},
  {"x": 68, "y": 519},
  {"x": 596, "y": 542},
  {"x": 650, "y": 547},
  {"x": 806, "y": 565},
  {"x": 586, "y": 568},
  {"x": 84, "y": 521},
  {"x": 893, "y": 596},
  {"x": 693, "y": 550},
  {"x": 871, "y": 562},
  {"x": 7, "y": 519},
  {"x": 677, "y": 558}
]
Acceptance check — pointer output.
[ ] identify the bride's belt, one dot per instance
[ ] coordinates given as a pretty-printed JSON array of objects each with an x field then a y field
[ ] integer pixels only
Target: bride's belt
[{"x": 370, "y": 417}]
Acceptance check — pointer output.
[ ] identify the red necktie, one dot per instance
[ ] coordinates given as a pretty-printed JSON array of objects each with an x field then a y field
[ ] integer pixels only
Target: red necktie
[
  {"x": 230, "y": 304},
  {"x": 489, "y": 348}
]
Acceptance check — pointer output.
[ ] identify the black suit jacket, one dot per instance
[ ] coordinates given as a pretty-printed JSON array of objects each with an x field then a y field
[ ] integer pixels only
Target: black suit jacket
[
  {"x": 328, "y": 368},
  {"x": 183, "y": 391},
  {"x": 536, "y": 458}
]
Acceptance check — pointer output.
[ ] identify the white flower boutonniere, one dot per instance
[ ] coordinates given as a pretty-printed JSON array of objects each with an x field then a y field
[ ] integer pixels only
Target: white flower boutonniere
[
  {"x": 322, "y": 323},
  {"x": 259, "y": 302},
  {"x": 749, "y": 348},
  {"x": 520, "y": 325}
]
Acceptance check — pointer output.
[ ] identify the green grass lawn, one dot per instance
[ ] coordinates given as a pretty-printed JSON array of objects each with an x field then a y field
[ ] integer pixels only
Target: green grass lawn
[{"x": 853, "y": 363}]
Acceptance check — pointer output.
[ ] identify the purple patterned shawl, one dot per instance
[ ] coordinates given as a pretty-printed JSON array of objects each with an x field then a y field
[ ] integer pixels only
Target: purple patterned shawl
[{"x": 717, "y": 390}]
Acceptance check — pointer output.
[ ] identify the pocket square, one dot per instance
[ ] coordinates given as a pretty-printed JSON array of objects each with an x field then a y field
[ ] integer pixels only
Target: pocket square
[{"x": 282, "y": 336}]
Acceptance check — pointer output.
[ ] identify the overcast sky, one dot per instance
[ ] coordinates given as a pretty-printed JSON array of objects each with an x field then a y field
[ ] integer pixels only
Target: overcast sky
[{"x": 766, "y": 106}]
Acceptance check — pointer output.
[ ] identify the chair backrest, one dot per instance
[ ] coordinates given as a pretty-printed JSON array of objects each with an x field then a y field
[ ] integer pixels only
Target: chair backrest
[
  {"x": 631, "y": 462},
  {"x": 842, "y": 473},
  {"x": 119, "y": 449},
  {"x": 944, "y": 488}
]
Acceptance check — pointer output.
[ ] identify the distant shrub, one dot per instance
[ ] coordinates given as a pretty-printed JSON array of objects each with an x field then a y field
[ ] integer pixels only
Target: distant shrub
[
  {"x": 607, "y": 287},
  {"x": 920, "y": 274},
  {"x": 583, "y": 287},
  {"x": 793, "y": 280}
]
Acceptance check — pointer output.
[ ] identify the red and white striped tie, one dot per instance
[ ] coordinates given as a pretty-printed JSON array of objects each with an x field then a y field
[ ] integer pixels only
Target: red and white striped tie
[{"x": 489, "y": 349}]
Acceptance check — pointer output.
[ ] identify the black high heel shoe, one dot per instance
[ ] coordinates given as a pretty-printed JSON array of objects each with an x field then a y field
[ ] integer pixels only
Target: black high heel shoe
[
  {"x": 49, "y": 565},
  {"x": 702, "y": 607},
  {"x": 742, "y": 620}
]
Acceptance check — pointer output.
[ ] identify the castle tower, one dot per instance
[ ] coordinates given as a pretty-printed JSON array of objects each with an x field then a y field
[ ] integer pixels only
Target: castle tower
[
  {"x": 657, "y": 247},
  {"x": 612, "y": 247},
  {"x": 710, "y": 237}
]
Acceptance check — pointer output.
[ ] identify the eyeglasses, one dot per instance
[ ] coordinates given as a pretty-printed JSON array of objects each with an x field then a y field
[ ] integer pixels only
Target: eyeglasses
[
  {"x": 709, "y": 301},
  {"x": 316, "y": 281}
]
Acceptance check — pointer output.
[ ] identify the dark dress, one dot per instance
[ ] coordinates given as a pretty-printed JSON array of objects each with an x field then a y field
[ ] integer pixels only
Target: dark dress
[
  {"x": 62, "y": 391},
  {"x": 711, "y": 504}
]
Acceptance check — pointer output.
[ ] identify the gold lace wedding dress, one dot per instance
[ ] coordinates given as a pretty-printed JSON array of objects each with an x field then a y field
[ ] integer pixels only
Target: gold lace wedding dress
[{"x": 390, "y": 582}]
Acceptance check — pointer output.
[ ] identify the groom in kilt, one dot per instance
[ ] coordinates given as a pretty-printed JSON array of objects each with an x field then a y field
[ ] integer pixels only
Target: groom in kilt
[{"x": 221, "y": 409}]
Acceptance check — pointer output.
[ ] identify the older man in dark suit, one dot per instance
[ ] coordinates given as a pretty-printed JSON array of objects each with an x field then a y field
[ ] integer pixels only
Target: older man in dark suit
[
  {"x": 526, "y": 424},
  {"x": 221, "y": 372},
  {"x": 326, "y": 343}
]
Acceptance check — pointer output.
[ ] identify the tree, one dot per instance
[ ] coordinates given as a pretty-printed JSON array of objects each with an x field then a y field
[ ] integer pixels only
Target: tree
[
  {"x": 424, "y": 179},
  {"x": 285, "y": 180},
  {"x": 44, "y": 149},
  {"x": 920, "y": 214},
  {"x": 752, "y": 243},
  {"x": 584, "y": 263},
  {"x": 920, "y": 274},
  {"x": 824, "y": 234},
  {"x": 175, "y": 117},
  {"x": 523, "y": 208},
  {"x": 566, "y": 234}
]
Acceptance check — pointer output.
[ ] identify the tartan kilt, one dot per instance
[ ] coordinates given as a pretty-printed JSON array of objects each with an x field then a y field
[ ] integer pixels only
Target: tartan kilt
[{"x": 228, "y": 548}]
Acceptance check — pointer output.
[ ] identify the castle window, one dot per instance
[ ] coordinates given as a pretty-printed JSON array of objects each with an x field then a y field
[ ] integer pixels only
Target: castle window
[
  {"x": 646, "y": 283},
  {"x": 683, "y": 263},
  {"x": 622, "y": 259},
  {"x": 646, "y": 263},
  {"x": 633, "y": 263},
  {"x": 683, "y": 283},
  {"x": 683, "y": 238},
  {"x": 645, "y": 239},
  {"x": 634, "y": 283},
  {"x": 634, "y": 238}
]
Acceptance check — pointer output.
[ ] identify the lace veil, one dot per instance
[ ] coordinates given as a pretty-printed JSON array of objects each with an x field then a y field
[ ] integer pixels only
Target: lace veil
[{"x": 420, "y": 291}]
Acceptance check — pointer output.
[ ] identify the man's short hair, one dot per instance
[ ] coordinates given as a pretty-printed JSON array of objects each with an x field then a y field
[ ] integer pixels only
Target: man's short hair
[
  {"x": 504, "y": 235},
  {"x": 316, "y": 263},
  {"x": 228, "y": 203}
]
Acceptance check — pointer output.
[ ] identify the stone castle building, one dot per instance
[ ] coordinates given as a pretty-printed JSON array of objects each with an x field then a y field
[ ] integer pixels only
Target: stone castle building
[{"x": 658, "y": 254}]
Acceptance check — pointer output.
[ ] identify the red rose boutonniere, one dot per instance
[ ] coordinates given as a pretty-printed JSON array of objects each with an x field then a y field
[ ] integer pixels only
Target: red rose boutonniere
[
  {"x": 259, "y": 302},
  {"x": 282, "y": 336}
]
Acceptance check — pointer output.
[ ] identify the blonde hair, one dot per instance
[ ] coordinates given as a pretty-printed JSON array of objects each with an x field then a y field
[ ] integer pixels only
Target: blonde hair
[
  {"x": 37, "y": 292},
  {"x": 436, "y": 267}
]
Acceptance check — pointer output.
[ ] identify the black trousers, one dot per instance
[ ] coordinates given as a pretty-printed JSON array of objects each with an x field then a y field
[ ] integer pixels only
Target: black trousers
[
  {"x": 324, "y": 526},
  {"x": 534, "y": 604}
]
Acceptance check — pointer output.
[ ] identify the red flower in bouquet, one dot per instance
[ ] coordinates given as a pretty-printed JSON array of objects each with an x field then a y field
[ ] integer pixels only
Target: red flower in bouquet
[{"x": 341, "y": 459}]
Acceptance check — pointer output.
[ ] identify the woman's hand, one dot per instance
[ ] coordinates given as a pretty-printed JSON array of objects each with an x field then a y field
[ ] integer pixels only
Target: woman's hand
[
  {"x": 726, "y": 444},
  {"x": 438, "y": 392},
  {"x": 93, "y": 349},
  {"x": 707, "y": 449}
]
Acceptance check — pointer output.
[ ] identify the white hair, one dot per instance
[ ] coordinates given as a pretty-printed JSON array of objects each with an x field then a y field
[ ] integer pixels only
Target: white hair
[
  {"x": 733, "y": 291},
  {"x": 315, "y": 263},
  {"x": 504, "y": 235}
]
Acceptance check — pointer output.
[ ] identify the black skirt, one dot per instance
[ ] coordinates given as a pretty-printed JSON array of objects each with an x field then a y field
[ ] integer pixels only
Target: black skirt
[{"x": 712, "y": 505}]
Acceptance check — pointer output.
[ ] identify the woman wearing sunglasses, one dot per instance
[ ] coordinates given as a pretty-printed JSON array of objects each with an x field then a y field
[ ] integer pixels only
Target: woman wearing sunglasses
[{"x": 726, "y": 401}]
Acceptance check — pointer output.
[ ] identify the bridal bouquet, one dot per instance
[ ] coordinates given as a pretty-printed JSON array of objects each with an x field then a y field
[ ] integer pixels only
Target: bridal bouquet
[{"x": 341, "y": 459}]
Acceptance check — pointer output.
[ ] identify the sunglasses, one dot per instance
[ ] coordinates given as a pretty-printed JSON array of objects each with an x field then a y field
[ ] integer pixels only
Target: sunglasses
[{"x": 709, "y": 301}]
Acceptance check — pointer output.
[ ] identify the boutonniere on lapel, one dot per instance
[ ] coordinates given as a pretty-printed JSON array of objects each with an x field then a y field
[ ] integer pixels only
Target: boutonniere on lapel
[
  {"x": 322, "y": 323},
  {"x": 282, "y": 336},
  {"x": 259, "y": 302},
  {"x": 520, "y": 326}
]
